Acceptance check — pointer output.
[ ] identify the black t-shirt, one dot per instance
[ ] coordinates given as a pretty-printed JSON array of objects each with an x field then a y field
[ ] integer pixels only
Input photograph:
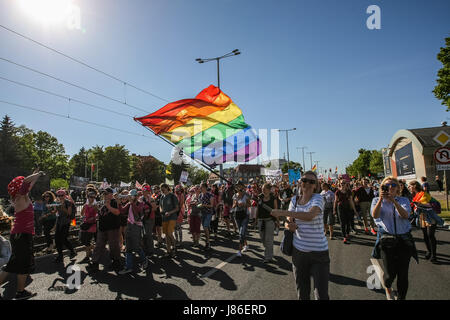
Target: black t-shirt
[
  {"x": 227, "y": 196},
  {"x": 108, "y": 220},
  {"x": 263, "y": 213}
]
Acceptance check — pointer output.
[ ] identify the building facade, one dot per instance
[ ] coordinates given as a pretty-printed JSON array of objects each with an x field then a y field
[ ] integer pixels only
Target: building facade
[{"x": 411, "y": 154}]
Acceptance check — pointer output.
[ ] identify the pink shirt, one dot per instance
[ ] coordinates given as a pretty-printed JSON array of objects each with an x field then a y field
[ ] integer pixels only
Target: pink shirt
[
  {"x": 90, "y": 215},
  {"x": 24, "y": 220},
  {"x": 131, "y": 216}
]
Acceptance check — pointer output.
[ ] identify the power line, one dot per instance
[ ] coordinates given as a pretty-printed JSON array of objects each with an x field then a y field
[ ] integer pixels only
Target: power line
[
  {"x": 76, "y": 119},
  {"x": 72, "y": 84},
  {"x": 64, "y": 97},
  {"x": 83, "y": 63}
]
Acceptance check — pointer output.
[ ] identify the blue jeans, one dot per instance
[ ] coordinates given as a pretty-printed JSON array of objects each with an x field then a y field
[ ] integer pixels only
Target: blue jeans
[
  {"x": 242, "y": 226},
  {"x": 129, "y": 256}
]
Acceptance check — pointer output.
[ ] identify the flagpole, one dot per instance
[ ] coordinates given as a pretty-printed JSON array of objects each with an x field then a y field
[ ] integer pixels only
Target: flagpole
[{"x": 173, "y": 145}]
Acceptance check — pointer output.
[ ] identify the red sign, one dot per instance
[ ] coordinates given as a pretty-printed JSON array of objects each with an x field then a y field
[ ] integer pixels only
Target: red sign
[{"x": 442, "y": 155}]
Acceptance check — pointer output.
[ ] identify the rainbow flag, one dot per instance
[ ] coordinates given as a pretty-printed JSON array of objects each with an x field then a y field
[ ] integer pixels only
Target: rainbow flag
[
  {"x": 210, "y": 128},
  {"x": 314, "y": 168}
]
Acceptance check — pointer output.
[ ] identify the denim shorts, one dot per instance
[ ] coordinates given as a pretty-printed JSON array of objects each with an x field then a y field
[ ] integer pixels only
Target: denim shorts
[{"x": 206, "y": 220}]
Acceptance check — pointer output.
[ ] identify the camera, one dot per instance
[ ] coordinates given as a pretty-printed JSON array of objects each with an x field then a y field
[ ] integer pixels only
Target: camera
[{"x": 385, "y": 188}]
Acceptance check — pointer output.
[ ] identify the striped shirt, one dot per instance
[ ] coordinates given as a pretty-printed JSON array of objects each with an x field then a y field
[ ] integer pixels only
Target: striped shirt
[{"x": 310, "y": 235}]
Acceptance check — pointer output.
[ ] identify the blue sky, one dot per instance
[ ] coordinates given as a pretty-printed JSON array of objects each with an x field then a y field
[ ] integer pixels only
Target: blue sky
[{"x": 313, "y": 65}]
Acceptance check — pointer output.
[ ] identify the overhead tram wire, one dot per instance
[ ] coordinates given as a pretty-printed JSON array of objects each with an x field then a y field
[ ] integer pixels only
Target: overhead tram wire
[
  {"x": 64, "y": 97},
  {"x": 72, "y": 84},
  {"x": 76, "y": 119},
  {"x": 83, "y": 63}
]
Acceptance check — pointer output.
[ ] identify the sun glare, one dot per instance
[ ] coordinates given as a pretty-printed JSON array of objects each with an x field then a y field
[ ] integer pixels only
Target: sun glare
[{"x": 47, "y": 12}]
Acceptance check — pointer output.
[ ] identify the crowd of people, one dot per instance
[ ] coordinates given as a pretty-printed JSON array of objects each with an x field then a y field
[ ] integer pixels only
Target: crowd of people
[{"x": 135, "y": 222}]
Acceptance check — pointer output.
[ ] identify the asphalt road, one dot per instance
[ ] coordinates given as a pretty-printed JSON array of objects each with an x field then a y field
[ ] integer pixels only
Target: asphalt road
[{"x": 219, "y": 274}]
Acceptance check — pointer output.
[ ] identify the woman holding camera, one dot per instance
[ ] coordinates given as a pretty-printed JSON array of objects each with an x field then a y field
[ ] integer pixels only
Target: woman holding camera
[{"x": 396, "y": 244}]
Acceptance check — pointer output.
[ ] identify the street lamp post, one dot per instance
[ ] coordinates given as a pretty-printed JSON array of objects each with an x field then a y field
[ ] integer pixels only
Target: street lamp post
[
  {"x": 310, "y": 155},
  {"x": 200, "y": 60},
  {"x": 287, "y": 140},
  {"x": 303, "y": 152}
]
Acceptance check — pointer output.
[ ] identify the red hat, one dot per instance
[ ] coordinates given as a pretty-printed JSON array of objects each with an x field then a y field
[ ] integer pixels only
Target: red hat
[
  {"x": 14, "y": 185},
  {"x": 146, "y": 188}
]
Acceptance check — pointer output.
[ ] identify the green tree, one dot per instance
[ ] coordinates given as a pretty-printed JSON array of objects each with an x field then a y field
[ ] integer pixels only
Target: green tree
[
  {"x": 96, "y": 156},
  {"x": 116, "y": 165},
  {"x": 197, "y": 175},
  {"x": 147, "y": 169},
  {"x": 376, "y": 162},
  {"x": 50, "y": 155},
  {"x": 368, "y": 162},
  {"x": 292, "y": 165},
  {"x": 9, "y": 146},
  {"x": 79, "y": 163},
  {"x": 59, "y": 183},
  {"x": 442, "y": 89},
  {"x": 175, "y": 171}
]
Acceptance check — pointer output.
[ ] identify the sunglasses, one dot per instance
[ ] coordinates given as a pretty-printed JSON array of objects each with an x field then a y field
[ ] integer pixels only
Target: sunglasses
[
  {"x": 393, "y": 185},
  {"x": 310, "y": 181}
]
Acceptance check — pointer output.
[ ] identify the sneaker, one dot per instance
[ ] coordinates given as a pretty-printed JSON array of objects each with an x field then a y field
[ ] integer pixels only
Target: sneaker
[
  {"x": 428, "y": 256},
  {"x": 125, "y": 271},
  {"x": 373, "y": 232},
  {"x": 239, "y": 254},
  {"x": 345, "y": 240},
  {"x": 366, "y": 231},
  {"x": 332, "y": 238},
  {"x": 245, "y": 248},
  {"x": 24, "y": 295}
]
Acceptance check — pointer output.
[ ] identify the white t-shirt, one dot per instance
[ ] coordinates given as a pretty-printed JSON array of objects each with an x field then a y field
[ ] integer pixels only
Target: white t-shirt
[
  {"x": 310, "y": 235},
  {"x": 328, "y": 196}
]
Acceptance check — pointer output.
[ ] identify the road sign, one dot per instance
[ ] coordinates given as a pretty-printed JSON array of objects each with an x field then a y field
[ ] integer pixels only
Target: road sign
[
  {"x": 442, "y": 167},
  {"x": 442, "y": 138},
  {"x": 442, "y": 155}
]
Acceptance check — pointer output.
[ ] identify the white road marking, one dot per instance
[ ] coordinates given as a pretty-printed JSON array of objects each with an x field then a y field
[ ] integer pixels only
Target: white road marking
[{"x": 220, "y": 266}]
